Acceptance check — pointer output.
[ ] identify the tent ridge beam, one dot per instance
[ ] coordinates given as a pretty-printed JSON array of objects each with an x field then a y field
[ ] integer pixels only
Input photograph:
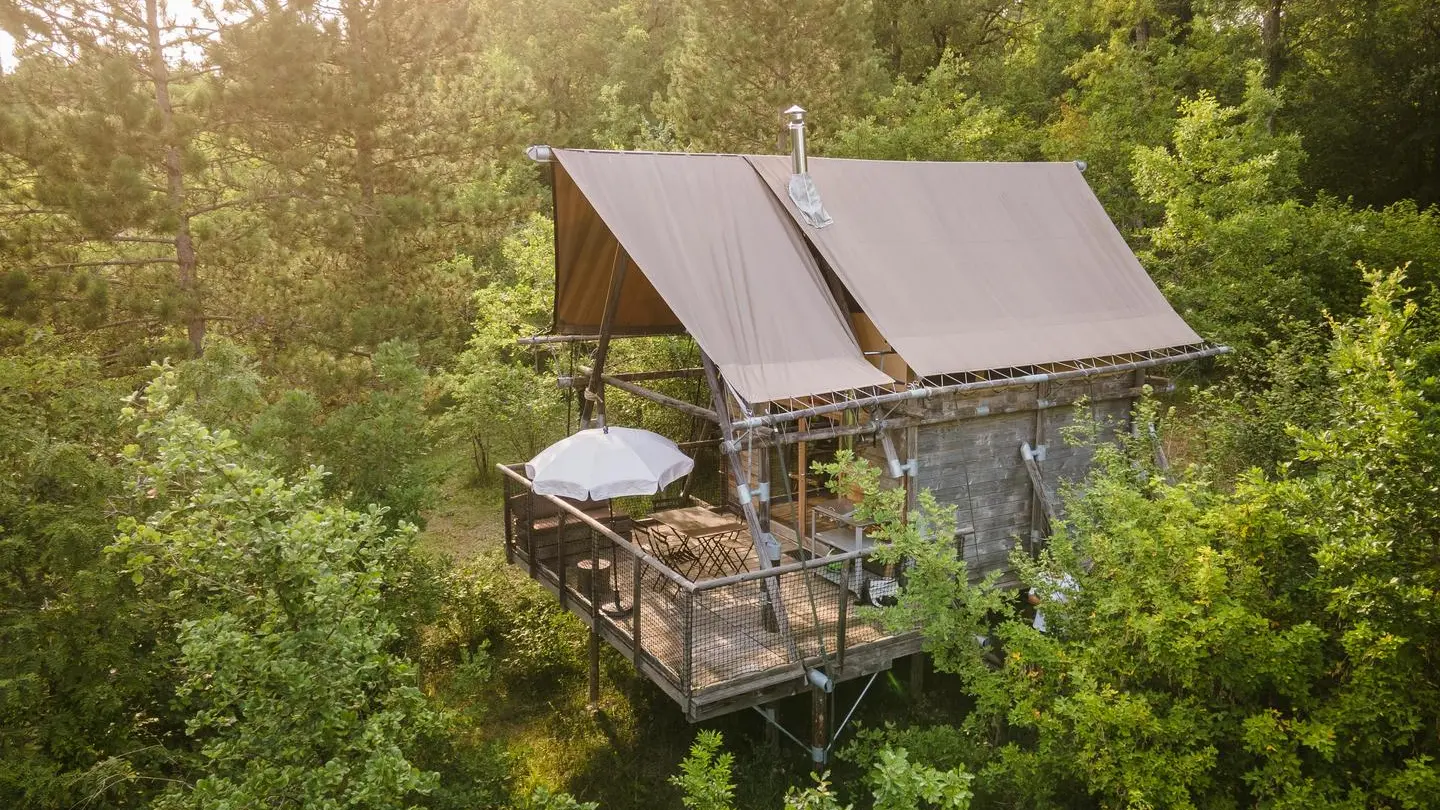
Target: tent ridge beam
[
  {"x": 580, "y": 380},
  {"x": 615, "y": 333}
]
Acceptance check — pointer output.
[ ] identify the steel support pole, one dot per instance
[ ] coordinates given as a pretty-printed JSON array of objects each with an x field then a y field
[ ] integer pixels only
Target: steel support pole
[{"x": 752, "y": 520}]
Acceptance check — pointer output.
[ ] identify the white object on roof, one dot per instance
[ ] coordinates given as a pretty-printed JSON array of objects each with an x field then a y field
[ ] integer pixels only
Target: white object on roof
[{"x": 610, "y": 462}]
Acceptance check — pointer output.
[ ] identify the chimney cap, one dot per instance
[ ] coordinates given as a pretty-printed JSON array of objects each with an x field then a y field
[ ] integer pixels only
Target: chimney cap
[{"x": 796, "y": 112}]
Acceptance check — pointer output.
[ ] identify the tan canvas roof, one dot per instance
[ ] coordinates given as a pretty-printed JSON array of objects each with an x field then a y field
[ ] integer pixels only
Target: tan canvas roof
[
  {"x": 717, "y": 254},
  {"x": 972, "y": 266},
  {"x": 959, "y": 266}
]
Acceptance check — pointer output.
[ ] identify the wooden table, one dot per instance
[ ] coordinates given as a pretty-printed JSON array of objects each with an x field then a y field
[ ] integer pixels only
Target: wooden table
[
  {"x": 713, "y": 533},
  {"x": 697, "y": 521}
]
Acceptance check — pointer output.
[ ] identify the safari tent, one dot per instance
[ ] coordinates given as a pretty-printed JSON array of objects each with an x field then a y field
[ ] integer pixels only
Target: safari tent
[{"x": 941, "y": 319}]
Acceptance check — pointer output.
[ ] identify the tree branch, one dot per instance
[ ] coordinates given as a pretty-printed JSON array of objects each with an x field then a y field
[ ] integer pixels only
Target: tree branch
[{"x": 108, "y": 263}]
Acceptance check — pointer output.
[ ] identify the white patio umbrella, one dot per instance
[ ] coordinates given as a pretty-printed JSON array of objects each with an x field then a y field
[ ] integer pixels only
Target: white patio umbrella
[{"x": 607, "y": 463}]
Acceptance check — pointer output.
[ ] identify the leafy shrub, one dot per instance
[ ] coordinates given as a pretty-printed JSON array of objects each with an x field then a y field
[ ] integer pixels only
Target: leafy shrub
[
  {"x": 490, "y": 606},
  {"x": 1267, "y": 646}
]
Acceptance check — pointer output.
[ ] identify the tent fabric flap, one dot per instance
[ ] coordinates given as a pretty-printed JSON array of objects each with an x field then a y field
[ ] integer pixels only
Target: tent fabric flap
[
  {"x": 974, "y": 266},
  {"x": 720, "y": 252},
  {"x": 585, "y": 255}
]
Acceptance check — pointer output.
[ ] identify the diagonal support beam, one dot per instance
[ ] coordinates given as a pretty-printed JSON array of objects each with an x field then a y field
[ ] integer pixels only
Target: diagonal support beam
[
  {"x": 595, "y": 389},
  {"x": 1032, "y": 466},
  {"x": 752, "y": 519},
  {"x": 653, "y": 396}
]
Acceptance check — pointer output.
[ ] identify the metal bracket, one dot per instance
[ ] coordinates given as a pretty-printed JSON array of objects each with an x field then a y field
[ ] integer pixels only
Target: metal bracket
[
  {"x": 1036, "y": 453},
  {"x": 892, "y": 457},
  {"x": 771, "y": 545},
  {"x": 762, "y": 491}
]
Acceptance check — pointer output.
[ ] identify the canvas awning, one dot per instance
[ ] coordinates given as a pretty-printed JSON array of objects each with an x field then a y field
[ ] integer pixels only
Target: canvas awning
[
  {"x": 974, "y": 266},
  {"x": 716, "y": 253}
]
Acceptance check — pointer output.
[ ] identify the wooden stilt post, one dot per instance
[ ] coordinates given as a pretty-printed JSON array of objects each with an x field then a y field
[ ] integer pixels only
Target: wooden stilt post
[
  {"x": 819, "y": 727},
  {"x": 594, "y": 666},
  {"x": 917, "y": 674}
]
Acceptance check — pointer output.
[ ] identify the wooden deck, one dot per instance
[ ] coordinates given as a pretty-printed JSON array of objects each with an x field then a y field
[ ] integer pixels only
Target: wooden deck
[{"x": 720, "y": 649}]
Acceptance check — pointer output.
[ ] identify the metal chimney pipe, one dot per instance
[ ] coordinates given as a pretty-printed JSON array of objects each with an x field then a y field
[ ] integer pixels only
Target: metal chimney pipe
[{"x": 798, "y": 164}]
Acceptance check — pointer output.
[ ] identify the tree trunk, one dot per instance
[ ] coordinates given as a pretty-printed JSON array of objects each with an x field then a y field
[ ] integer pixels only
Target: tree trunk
[
  {"x": 175, "y": 184},
  {"x": 1272, "y": 43}
]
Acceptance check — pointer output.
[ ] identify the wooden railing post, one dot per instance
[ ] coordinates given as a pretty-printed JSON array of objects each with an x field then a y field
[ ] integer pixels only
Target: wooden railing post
[
  {"x": 635, "y": 605},
  {"x": 594, "y": 597},
  {"x": 560, "y": 559},
  {"x": 847, "y": 573}
]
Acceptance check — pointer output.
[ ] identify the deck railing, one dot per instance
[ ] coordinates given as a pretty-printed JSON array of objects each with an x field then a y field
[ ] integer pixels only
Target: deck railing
[{"x": 694, "y": 639}]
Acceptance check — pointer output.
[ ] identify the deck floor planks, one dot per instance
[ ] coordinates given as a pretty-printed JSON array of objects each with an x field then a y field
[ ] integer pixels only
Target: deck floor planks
[{"x": 730, "y": 638}]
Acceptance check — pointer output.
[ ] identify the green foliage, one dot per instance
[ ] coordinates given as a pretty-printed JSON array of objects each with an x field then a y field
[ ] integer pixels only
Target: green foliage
[
  {"x": 1246, "y": 418},
  {"x": 84, "y": 695},
  {"x": 374, "y": 447},
  {"x": 739, "y": 64},
  {"x": 934, "y": 119},
  {"x": 819, "y": 796},
  {"x": 493, "y": 612},
  {"x": 503, "y": 401},
  {"x": 1221, "y": 649},
  {"x": 1236, "y": 251},
  {"x": 543, "y": 798},
  {"x": 705, "y": 774},
  {"x": 902, "y": 785},
  {"x": 294, "y": 696},
  {"x": 706, "y": 778},
  {"x": 330, "y": 199}
]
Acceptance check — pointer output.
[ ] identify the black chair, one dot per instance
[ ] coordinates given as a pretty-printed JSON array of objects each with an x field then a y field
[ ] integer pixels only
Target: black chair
[{"x": 670, "y": 547}]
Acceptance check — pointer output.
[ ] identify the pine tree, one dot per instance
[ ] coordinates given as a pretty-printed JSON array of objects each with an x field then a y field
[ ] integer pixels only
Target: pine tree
[
  {"x": 741, "y": 62},
  {"x": 105, "y": 169}
]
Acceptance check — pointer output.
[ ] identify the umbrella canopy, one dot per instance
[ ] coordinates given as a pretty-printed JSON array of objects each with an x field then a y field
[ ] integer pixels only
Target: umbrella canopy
[{"x": 604, "y": 463}]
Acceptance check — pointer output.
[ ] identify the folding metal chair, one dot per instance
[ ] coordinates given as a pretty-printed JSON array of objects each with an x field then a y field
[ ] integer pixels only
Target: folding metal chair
[
  {"x": 672, "y": 548},
  {"x": 723, "y": 553}
]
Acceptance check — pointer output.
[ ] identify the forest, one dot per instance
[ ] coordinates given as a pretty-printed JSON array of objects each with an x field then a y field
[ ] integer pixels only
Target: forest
[{"x": 263, "y": 264}]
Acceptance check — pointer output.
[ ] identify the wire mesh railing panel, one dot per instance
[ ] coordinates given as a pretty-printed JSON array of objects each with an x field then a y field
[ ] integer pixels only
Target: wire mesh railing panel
[
  {"x": 814, "y": 601},
  {"x": 734, "y": 633}
]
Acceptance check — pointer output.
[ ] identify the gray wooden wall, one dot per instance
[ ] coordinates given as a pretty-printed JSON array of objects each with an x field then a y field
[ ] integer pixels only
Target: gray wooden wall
[{"x": 974, "y": 462}]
